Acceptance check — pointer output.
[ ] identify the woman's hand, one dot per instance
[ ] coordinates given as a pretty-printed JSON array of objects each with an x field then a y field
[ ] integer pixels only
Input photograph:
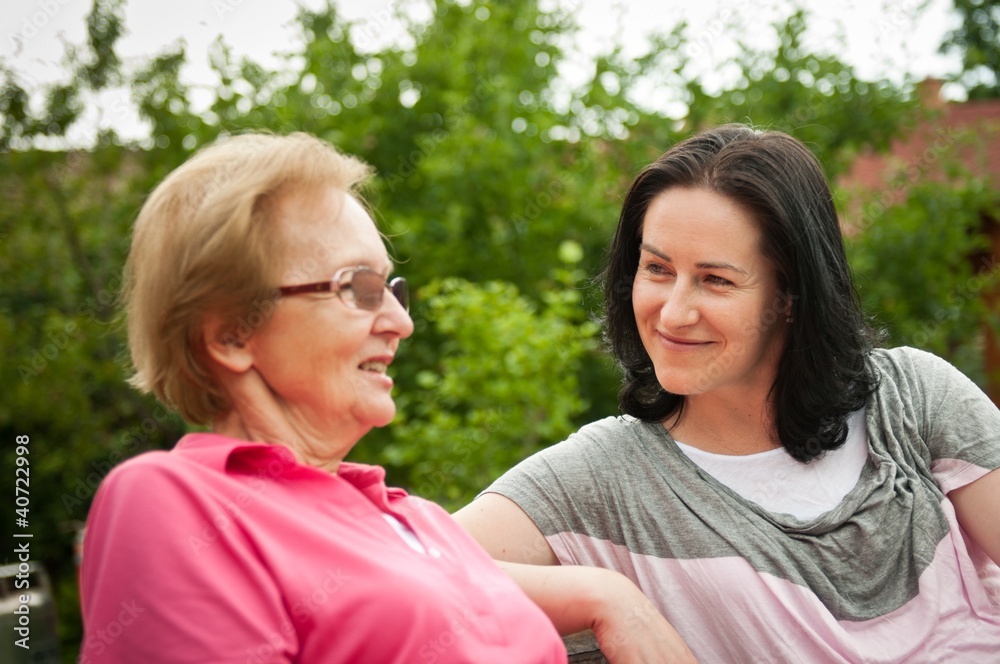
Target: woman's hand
[
  {"x": 628, "y": 627},
  {"x": 630, "y": 630}
]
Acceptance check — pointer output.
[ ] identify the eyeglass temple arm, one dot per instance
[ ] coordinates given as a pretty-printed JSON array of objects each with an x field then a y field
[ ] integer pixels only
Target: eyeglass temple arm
[{"x": 318, "y": 287}]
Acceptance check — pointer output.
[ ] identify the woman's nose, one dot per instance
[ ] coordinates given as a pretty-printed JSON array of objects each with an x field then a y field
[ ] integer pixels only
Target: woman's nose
[
  {"x": 393, "y": 317},
  {"x": 680, "y": 306}
]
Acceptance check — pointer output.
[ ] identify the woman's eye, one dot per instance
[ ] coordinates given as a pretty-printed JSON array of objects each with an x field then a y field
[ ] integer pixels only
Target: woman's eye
[
  {"x": 716, "y": 280},
  {"x": 656, "y": 269}
]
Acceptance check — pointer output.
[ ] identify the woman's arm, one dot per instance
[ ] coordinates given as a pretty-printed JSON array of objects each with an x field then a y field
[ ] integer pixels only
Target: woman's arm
[
  {"x": 627, "y": 625},
  {"x": 977, "y": 506},
  {"x": 505, "y": 531}
]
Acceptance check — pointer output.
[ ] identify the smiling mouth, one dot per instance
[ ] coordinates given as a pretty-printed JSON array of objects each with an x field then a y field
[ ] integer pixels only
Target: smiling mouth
[
  {"x": 685, "y": 342},
  {"x": 374, "y": 366},
  {"x": 682, "y": 344}
]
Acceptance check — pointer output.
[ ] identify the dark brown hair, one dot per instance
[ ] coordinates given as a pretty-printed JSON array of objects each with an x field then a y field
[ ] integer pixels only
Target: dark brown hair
[{"x": 823, "y": 375}]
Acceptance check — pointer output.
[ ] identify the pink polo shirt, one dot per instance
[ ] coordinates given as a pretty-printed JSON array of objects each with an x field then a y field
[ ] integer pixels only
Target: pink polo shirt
[{"x": 232, "y": 552}]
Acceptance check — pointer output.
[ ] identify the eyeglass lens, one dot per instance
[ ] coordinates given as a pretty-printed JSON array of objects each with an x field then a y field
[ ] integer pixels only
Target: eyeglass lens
[
  {"x": 401, "y": 290},
  {"x": 368, "y": 288}
]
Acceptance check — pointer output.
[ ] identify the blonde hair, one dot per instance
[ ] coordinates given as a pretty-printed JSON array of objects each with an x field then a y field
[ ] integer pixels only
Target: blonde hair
[{"x": 206, "y": 242}]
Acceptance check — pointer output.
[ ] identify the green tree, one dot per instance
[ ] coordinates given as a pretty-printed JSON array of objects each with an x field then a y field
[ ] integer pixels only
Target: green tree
[
  {"x": 64, "y": 225},
  {"x": 977, "y": 40},
  {"x": 502, "y": 384},
  {"x": 923, "y": 267},
  {"x": 498, "y": 187}
]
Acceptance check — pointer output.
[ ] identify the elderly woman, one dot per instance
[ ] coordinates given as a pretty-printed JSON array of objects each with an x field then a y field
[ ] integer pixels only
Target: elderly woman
[
  {"x": 783, "y": 491},
  {"x": 256, "y": 305}
]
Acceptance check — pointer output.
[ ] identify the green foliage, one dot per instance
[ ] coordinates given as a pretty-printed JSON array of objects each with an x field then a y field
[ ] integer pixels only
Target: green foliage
[
  {"x": 977, "y": 39},
  {"x": 923, "y": 267},
  {"x": 63, "y": 228},
  {"x": 63, "y": 235},
  {"x": 813, "y": 96},
  {"x": 499, "y": 188},
  {"x": 104, "y": 27},
  {"x": 503, "y": 383}
]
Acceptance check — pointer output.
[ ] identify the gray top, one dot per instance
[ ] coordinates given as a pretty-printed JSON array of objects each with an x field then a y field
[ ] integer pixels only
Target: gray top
[{"x": 619, "y": 493}]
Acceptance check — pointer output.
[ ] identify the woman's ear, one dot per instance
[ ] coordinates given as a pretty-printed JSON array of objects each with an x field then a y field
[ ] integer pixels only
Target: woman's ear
[
  {"x": 790, "y": 307},
  {"x": 225, "y": 346}
]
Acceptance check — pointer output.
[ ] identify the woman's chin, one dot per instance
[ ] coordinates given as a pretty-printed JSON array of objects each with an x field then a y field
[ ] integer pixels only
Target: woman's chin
[{"x": 383, "y": 416}]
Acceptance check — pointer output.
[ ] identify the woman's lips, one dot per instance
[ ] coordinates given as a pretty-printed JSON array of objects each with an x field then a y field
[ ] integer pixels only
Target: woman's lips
[
  {"x": 679, "y": 343},
  {"x": 375, "y": 369}
]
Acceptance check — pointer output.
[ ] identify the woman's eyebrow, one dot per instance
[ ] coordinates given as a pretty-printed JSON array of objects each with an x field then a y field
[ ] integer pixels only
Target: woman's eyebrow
[
  {"x": 720, "y": 265},
  {"x": 655, "y": 252}
]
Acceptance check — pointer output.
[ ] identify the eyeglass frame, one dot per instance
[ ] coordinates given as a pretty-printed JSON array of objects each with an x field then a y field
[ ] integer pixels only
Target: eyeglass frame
[{"x": 397, "y": 286}]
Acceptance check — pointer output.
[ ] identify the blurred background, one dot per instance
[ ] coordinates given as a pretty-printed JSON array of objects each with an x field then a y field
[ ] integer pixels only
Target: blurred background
[{"x": 504, "y": 135}]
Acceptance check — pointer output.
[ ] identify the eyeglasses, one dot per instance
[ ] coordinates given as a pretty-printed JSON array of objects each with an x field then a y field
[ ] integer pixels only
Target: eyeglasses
[{"x": 359, "y": 287}]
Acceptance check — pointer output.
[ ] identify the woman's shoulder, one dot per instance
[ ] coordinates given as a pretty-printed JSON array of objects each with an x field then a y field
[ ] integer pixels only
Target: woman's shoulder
[
  {"x": 606, "y": 445},
  {"x": 909, "y": 359},
  {"x": 917, "y": 368},
  {"x": 158, "y": 472},
  {"x": 131, "y": 491},
  {"x": 916, "y": 363},
  {"x": 611, "y": 434},
  {"x": 145, "y": 466},
  {"x": 930, "y": 399},
  {"x": 613, "y": 425}
]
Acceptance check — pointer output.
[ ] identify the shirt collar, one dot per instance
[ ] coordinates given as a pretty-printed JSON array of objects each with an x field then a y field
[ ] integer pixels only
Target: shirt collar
[
  {"x": 234, "y": 456},
  {"x": 226, "y": 454}
]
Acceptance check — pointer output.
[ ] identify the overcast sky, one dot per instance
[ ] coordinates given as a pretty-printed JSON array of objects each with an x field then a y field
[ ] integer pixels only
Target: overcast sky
[{"x": 884, "y": 37}]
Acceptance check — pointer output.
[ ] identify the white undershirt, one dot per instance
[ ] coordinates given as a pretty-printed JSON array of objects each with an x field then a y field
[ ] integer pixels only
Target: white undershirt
[
  {"x": 408, "y": 536},
  {"x": 778, "y": 483}
]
